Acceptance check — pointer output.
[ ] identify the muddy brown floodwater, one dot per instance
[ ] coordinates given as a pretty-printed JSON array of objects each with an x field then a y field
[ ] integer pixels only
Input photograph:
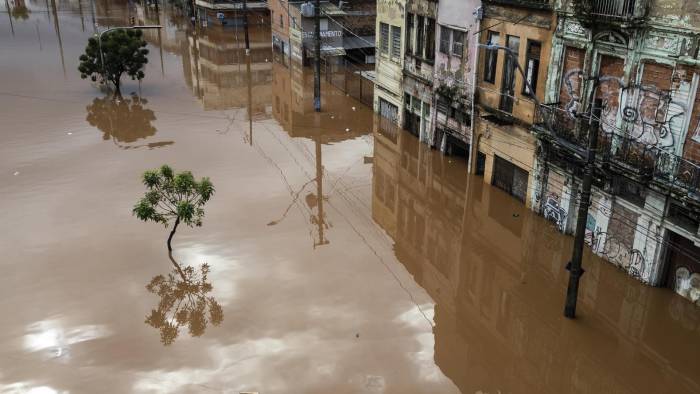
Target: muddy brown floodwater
[{"x": 334, "y": 257}]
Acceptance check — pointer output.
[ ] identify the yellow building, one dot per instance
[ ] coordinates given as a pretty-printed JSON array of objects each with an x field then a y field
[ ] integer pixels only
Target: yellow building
[{"x": 519, "y": 42}]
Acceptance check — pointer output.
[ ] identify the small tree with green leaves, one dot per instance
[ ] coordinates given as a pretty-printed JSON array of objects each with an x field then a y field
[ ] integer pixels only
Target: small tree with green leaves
[
  {"x": 172, "y": 196},
  {"x": 123, "y": 51}
]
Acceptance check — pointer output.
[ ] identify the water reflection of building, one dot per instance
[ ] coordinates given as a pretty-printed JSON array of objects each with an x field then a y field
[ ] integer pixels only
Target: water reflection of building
[
  {"x": 216, "y": 61},
  {"x": 292, "y": 106},
  {"x": 494, "y": 270}
]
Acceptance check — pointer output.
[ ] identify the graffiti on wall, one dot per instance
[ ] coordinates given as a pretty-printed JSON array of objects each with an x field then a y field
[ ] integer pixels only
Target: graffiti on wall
[
  {"x": 649, "y": 114},
  {"x": 617, "y": 252},
  {"x": 554, "y": 212}
]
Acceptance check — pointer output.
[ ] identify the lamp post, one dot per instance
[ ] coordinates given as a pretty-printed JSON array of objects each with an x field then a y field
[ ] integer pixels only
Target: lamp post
[{"x": 99, "y": 38}]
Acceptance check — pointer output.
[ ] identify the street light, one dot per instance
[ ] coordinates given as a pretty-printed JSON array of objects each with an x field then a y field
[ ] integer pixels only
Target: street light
[{"x": 99, "y": 38}]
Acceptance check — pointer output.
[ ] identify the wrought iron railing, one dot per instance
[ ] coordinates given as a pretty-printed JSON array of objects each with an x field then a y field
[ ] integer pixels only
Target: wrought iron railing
[
  {"x": 540, "y": 4},
  {"x": 612, "y": 9},
  {"x": 625, "y": 154},
  {"x": 678, "y": 173}
]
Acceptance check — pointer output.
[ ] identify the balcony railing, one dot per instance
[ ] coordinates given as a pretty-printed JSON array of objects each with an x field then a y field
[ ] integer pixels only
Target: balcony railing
[
  {"x": 538, "y": 4},
  {"x": 620, "y": 153},
  {"x": 612, "y": 9}
]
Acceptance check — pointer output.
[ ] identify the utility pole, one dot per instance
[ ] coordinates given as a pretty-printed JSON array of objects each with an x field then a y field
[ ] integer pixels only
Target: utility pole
[
  {"x": 574, "y": 266},
  {"x": 317, "y": 56},
  {"x": 245, "y": 26},
  {"x": 247, "y": 65}
]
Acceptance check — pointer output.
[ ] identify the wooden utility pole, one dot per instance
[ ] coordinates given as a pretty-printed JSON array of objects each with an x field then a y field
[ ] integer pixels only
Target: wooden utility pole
[{"x": 317, "y": 56}]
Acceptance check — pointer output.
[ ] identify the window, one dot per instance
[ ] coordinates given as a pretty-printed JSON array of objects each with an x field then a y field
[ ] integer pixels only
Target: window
[
  {"x": 323, "y": 24},
  {"x": 409, "y": 33},
  {"x": 445, "y": 40},
  {"x": 430, "y": 40},
  {"x": 532, "y": 66},
  {"x": 420, "y": 34},
  {"x": 294, "y": 22},
  {"x": 384, "y": 37},
  {"x": 281, "y": 21},
  {"x": 395, "y": 41},
  {"x": 491, "y": 57},
  {"x": 443, "y": 107},
  {"x": 457, "y": 43}
]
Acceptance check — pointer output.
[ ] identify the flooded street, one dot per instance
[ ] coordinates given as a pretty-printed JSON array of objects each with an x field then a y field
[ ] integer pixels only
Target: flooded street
[{"x": 341, "y": 259}]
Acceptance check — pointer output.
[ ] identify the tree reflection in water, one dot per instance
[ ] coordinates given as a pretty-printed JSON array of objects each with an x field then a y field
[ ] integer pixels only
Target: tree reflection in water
[
  {"x": 124, "y": 121},
  {"x": 184, "y": 301}
]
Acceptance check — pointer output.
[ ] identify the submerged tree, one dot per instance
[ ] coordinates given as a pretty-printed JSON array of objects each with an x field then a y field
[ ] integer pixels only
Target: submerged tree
[
  {"x": 184, "y": 301},
  {"x": 173, "y": 196},
  {"x": 122, "y": 51}
]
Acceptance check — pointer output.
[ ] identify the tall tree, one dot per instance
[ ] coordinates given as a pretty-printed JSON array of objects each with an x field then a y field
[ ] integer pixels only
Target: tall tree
[
  {"x": 122, "y": 51},
  {"x": 171, "y": 196}
]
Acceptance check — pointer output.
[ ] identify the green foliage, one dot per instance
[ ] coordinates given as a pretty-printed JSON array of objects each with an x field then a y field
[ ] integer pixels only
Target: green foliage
[
  {"x": 124, "y": 52},
  {"x": 183, "y": 302},
  {"x": 172, "y": 196}
]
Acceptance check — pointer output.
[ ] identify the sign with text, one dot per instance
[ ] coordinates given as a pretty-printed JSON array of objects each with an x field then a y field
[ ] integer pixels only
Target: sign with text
[{"x": 324, "y": 34}]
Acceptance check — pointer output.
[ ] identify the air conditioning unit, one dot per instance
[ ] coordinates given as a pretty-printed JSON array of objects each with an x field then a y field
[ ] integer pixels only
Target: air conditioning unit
[{"x": 307, "y": 10}]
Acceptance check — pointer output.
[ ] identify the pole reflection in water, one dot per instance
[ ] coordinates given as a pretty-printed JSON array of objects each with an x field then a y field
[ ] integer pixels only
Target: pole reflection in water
[
  {"x": 58, "y": 35},
  {"x": 493, "y": 269},
  {"x": 184, "y": 301}
]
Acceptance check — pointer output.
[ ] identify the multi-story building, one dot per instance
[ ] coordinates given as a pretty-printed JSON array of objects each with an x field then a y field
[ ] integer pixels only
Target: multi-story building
[
  {"x": 418, "y": 64},
  {"x": 389, "y": 94},
  {"x": 634, "y": 65},
  {"x": 347, "y": 30},
  {"x": 454, "y": 75},
  {"x": 497, "y": 283},
  {"x": 515, "y": 35}
]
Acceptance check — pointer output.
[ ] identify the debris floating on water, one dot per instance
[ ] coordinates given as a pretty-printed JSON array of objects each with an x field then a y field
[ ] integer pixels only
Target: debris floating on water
[{"x": 16, "y": 173}]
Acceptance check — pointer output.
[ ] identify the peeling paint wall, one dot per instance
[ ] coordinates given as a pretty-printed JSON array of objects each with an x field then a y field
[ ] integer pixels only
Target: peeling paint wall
[
  {"x": 389, "y": 72},
  {"x": 648, "y": 72}
]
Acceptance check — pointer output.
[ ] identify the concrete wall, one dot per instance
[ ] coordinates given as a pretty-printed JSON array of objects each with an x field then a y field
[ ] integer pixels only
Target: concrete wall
[{"x": 389, "y": 72}]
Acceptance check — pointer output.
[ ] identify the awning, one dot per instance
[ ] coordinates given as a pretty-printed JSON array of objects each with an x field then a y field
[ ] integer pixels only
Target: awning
[
  {"x": 327, "y": 51},
  {"x": 350, "y": 42}
]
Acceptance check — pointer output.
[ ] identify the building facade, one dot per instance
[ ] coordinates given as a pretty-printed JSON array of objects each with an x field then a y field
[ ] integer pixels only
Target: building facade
[
  {"x": 418, "y": 66},
  {"x": 388, "y": 91},
  {"x": 635, "y": 67},
  {"x": 510, "y": 81},
  {"x": 454, "y": 76}
]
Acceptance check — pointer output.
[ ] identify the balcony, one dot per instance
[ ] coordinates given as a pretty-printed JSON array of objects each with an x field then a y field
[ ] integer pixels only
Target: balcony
[
  {"x": 617, "y": 154},
  {"x": 532, "y": 4},
  {"x": 611, "y": 10}
]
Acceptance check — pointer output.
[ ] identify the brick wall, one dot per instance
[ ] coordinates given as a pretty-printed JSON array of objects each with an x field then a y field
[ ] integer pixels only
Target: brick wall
[
  {"x": 658, "y": 75},
  {"x": 609, "y": 89},
  {"x": 619, "y": 240},
  {"x": 573, "y": 60}
]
